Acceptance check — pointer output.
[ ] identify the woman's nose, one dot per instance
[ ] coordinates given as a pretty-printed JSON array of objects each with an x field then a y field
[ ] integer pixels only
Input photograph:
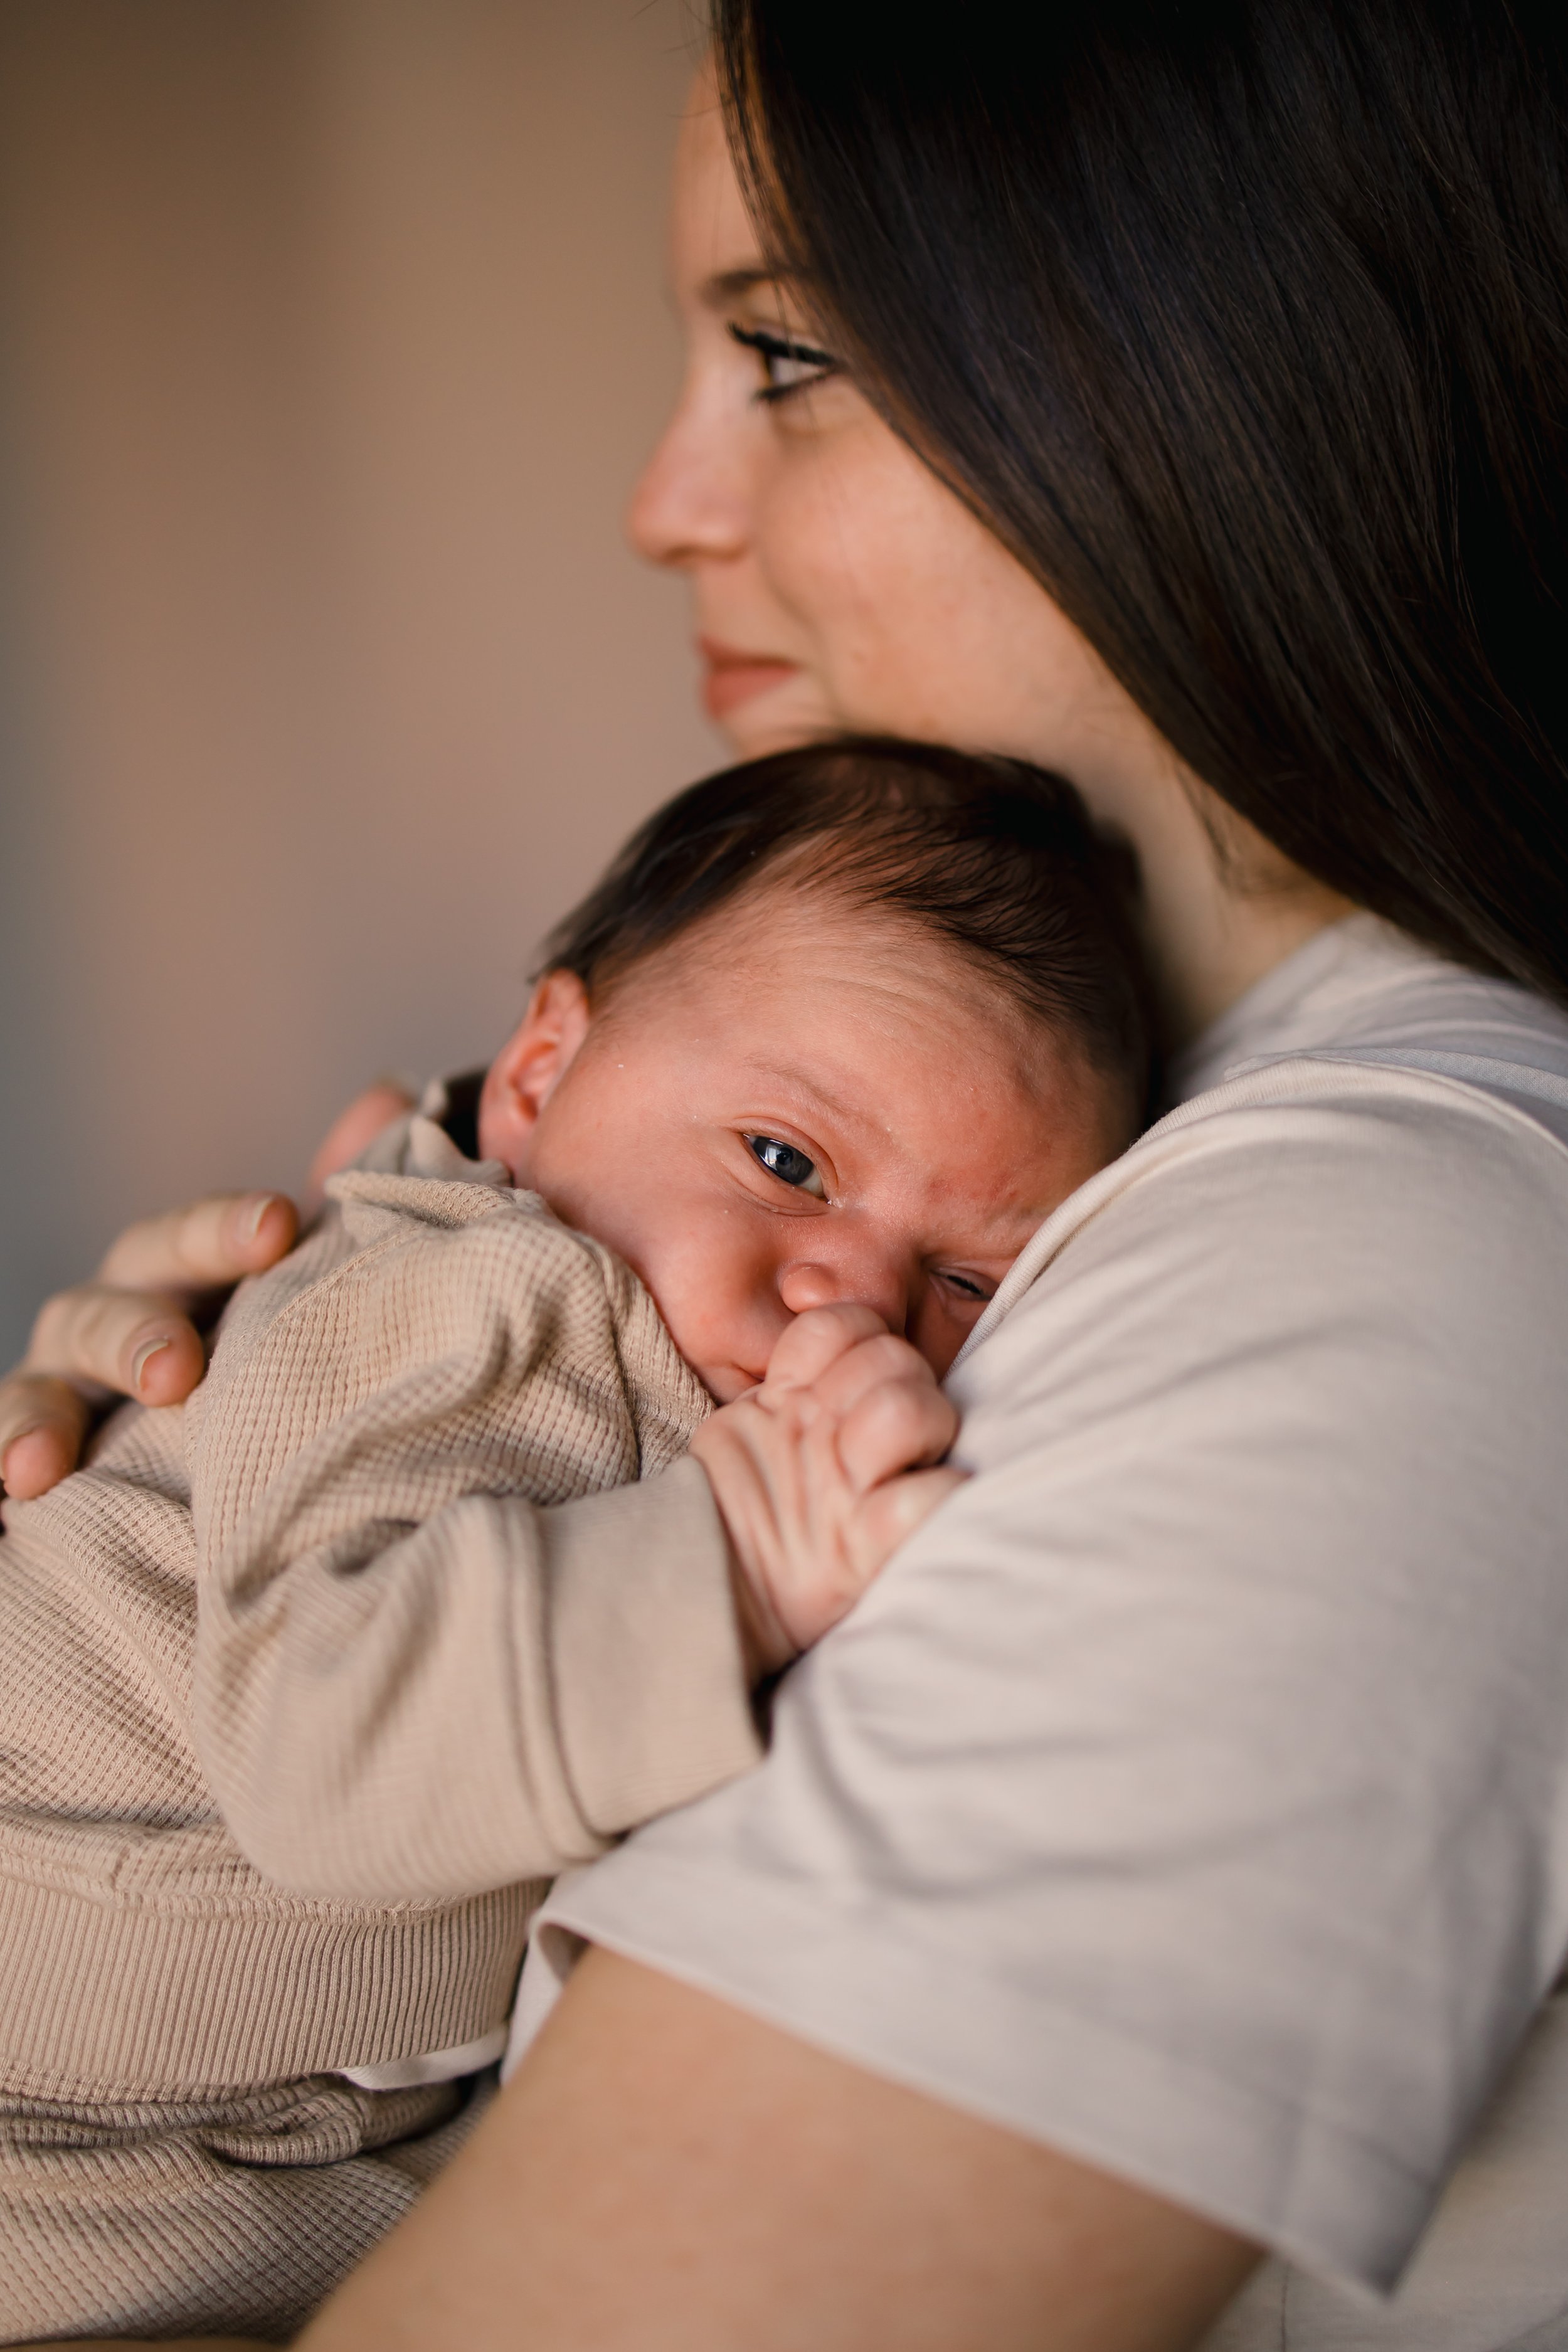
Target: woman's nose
[
  {"x": 690, "y": 499},
  {"x": 807, "y": 1284}
]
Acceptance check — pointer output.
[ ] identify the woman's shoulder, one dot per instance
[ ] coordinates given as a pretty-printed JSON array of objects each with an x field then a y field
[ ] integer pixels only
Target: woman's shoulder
[
  {"x": 1382, "y": 1114},
  {"x": 1354, "y": 1247},
  {"x": 1364, "y": 992}
]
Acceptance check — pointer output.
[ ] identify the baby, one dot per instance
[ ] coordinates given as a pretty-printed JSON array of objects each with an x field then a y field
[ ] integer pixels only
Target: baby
[{"x": 450, "y": 1573}]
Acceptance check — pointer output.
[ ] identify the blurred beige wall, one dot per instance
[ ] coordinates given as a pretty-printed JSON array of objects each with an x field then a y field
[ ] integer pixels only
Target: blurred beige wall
[{"x": 334, "y": 335}]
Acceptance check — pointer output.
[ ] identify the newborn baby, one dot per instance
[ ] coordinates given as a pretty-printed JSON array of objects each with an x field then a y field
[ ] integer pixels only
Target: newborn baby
[{"x": 450, "y": 1573}]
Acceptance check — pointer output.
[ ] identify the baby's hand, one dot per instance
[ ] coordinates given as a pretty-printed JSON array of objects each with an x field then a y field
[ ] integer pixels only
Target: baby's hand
[{"x": 817, "y": 1474}]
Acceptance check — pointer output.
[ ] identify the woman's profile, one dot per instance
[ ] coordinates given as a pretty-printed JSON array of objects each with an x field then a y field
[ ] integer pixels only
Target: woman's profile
[{"x": 1149, "y": 1892}]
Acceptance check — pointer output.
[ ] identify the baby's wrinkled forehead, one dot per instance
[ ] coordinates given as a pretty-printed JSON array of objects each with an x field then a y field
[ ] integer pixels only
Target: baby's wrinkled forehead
[
  {"x": 884, "y": 870},
  {"x": 788, "y": 936},
  {"x": 805, "y": 984}
]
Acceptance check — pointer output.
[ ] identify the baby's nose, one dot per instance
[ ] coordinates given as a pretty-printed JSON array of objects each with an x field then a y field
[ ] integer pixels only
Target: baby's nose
[{"x": 807, "y": 1284}]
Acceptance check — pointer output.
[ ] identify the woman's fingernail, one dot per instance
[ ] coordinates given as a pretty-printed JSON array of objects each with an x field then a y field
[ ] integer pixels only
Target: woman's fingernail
[
  {"x": 252, "y": 1213},
  {"x": 142, "y": 1358}
]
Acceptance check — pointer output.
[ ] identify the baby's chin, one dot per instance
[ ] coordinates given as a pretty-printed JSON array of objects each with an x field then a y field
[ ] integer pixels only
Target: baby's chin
[{"x": 725, "y": 1382}]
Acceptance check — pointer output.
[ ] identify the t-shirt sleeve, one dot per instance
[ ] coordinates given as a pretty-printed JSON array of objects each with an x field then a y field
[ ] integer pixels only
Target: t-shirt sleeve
[{"x": 1189, "y": 1794}]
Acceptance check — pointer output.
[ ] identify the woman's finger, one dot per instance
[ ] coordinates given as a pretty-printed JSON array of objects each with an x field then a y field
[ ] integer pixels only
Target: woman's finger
[
  {"x": 205, "y": 1246},
  {"x": 42, "y": 1423},
  {"x": 127, "y": 1334},
  {"x": 129, "y": 1342},
  {"x": 353, "y": 1129}
]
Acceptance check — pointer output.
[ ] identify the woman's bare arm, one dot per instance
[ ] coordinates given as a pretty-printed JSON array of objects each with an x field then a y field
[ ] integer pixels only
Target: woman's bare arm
[{"x": 664, "y": 2171}]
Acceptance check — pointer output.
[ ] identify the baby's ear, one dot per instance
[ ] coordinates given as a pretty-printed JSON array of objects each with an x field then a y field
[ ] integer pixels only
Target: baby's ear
[{"x": 525, "y": 1072}]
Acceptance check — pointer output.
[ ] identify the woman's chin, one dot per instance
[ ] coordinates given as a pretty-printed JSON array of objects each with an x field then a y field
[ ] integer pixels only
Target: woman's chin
[{"x": 777, "y": 717}]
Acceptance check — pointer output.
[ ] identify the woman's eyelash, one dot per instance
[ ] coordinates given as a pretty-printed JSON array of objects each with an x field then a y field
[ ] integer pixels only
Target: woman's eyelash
[{"x": 783, "y": 351}]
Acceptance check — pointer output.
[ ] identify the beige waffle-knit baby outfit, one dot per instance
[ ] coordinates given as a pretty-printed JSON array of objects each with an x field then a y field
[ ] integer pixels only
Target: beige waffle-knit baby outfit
[{"x": 382, "y": 1611}]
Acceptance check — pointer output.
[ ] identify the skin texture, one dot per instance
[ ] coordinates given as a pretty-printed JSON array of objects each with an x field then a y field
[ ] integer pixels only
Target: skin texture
[
  {"x": 937, "y": 1134},
  {"x": 667, "y": 2173},
  {"x": 815, "y": 1474},
  {"x": 929, "y": 1131},
  {"x": 664, "y": 2169}
]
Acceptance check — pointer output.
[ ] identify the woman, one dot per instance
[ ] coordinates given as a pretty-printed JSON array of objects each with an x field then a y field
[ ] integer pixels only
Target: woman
[{"x": 1166, "y": 1865}]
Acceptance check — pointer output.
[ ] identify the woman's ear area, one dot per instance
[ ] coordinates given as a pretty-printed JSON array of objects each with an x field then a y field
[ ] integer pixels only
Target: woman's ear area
[{"x": 525, "y": 1072}]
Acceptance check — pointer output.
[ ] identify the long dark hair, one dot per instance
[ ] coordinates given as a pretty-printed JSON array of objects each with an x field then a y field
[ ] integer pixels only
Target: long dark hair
[{"x": 1245, "y": 324}]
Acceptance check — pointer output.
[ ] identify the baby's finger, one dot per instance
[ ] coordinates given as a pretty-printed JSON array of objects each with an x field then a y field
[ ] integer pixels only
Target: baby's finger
[
  {"x": 900, "y": 1424},
  {"x": 816, "y": 1340},
  {"x": 205, "y": 1246},
  {"x": 131, "y": 1343},
  {"x": 42, "y": 1423},
  {"x": 873, "y": 1361},
  {"x": 890, "y": 1514}
]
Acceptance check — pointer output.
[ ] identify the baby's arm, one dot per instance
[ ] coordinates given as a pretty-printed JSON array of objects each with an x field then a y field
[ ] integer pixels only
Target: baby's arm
[{"x": 410, "y": 1690}]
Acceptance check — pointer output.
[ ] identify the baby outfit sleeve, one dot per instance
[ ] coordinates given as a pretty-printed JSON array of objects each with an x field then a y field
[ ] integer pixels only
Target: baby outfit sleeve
[{"x": 448, "y": 1638}]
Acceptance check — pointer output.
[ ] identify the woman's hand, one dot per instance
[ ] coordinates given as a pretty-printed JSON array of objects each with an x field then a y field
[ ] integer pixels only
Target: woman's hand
[
  {"x": 130, "y": 1332},
  {"x": 819, "y": 1474}
]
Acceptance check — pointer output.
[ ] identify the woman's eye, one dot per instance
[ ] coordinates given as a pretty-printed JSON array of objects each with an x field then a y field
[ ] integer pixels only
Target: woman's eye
[
  {"x": 788, "y": 363},
  {"x": 790, "y": 1166}
]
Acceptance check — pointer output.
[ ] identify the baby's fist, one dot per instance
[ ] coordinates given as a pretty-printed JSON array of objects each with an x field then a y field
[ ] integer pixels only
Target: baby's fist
[{"x": 819, "y": 1474}]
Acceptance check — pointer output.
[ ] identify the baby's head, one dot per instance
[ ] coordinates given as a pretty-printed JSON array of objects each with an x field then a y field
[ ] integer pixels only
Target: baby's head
[{"x": 846, "y": 1023}]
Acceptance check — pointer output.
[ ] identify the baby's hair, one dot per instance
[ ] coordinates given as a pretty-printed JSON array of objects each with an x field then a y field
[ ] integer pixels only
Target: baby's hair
[{"x": 995, "y": 858}]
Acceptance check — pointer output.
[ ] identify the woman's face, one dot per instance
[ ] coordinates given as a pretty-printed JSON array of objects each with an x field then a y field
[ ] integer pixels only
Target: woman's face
[{"x": 836, "y": 583}]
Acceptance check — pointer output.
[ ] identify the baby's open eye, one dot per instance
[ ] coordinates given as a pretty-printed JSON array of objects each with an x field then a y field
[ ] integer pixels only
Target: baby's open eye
[{"x": 789, "y": 1165}]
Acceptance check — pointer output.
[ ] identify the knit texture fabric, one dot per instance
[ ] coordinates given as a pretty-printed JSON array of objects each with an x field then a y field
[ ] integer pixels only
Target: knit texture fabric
[{"x": 307, "y": 1690}]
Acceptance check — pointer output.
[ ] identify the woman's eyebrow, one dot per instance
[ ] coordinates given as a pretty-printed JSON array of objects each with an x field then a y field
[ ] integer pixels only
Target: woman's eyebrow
[{"x": 729, "y": 285}]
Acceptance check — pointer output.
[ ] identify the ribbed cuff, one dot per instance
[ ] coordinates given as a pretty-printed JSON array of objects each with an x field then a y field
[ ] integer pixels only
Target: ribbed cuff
[{"x": 651, "y": 1693}]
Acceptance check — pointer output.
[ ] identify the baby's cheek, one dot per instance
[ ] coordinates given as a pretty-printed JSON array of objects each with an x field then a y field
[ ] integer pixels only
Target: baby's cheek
[
  {"x": 718, "y": 1298},
  {"x": 937, "y": 1334}
]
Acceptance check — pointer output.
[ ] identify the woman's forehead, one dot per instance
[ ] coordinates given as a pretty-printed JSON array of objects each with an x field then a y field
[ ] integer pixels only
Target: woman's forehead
[{"x": 711, "y": 231}]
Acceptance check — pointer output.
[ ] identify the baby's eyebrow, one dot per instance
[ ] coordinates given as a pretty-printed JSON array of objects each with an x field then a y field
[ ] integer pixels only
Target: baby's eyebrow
[{"x": 782, "y": 1074}]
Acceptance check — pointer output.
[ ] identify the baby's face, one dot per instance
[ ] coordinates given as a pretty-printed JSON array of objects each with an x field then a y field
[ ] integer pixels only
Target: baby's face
[{"x": 796, "y": 1103}]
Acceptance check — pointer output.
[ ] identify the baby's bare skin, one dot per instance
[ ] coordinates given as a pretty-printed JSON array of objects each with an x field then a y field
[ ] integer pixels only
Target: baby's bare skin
[{"x": 799, "y": 1101}]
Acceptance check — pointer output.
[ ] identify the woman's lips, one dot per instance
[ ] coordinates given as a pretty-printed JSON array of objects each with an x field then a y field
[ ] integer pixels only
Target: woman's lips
[{"x": 731, "y": 677}]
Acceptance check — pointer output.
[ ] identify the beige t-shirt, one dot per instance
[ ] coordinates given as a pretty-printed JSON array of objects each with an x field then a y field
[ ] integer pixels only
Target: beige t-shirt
[{"x": 1191, "y": 1792}]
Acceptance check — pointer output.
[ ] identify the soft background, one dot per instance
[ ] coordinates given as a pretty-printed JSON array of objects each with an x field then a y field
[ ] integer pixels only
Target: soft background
[{"x": 331, "y": 335}]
